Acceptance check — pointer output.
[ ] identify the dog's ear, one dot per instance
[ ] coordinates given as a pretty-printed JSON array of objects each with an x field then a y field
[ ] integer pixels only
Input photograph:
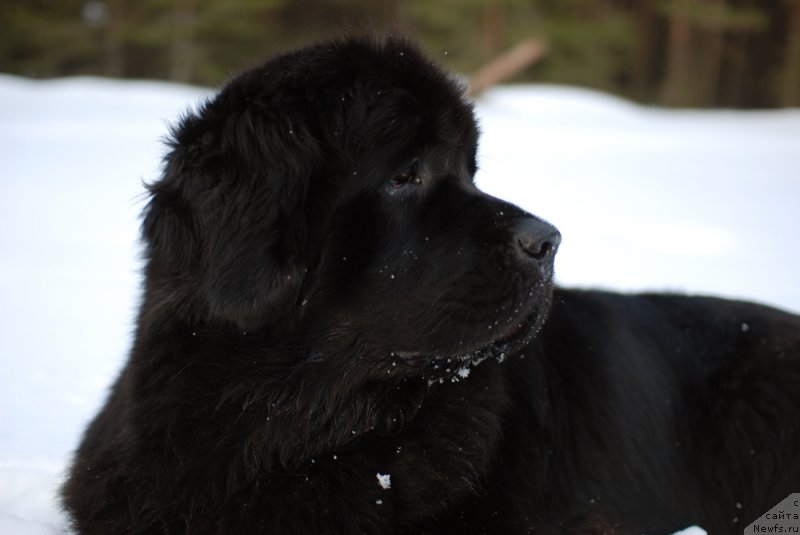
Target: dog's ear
[{"x": 228, "y": 222}]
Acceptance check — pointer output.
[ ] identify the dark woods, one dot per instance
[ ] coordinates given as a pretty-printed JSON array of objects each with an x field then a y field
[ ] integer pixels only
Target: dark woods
[{"x": 729, "y": 53}]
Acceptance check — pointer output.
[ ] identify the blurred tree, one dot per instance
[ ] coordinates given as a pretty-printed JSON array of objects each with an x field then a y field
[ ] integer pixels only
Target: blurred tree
[
  {"x": 181, "y": 60},
  {"x": 789, "y": 79},
  {"x": 590, "y": 43},
  {"x": 494, "y": 26},
  {"x": 254, "y": 28},
  {"x": 679, "y": 52},
  {"x": 467, "y": 33},
  {"x": 41, "y": 38},
  {"x": 696, "y": 32},
  {"x": 645, "y": 57},
  {"x": 113, "y": 27}
]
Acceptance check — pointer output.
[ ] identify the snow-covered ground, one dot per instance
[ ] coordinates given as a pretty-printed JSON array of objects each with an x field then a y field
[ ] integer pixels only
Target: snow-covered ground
[{"x": 703, "y": 202}]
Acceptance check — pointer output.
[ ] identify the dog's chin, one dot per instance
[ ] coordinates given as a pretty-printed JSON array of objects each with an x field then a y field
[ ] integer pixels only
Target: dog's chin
[{"x": 509, "y": 339}]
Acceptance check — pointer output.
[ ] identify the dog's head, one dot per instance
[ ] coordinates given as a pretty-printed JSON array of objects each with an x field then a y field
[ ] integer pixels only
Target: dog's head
[{"x": 327, "y": 197}]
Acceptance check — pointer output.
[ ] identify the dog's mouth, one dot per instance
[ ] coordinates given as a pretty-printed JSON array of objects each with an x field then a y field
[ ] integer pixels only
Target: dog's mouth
[
  {"x": 515, "y": 331},
  {"x": 515, "y": 335},
  {"x": 510, "y": 338}
]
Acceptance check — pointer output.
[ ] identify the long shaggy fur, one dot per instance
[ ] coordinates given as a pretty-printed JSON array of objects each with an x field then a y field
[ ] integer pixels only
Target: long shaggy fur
[{"x": 329, "y": 299}]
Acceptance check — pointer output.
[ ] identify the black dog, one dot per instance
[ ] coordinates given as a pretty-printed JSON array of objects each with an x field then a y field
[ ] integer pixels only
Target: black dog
[{"x": 341, "y": 334}]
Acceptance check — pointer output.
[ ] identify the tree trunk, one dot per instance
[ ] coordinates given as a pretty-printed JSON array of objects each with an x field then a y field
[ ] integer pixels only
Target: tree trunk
[
  {"x": 712, "y": 56},
  {"x": 113, "y": 59},
  {"x": 678, "y": 85},
  {"x": 645, "y": 23},
  {"x": 732, "y": 90},
  {"x": 790, "y": 77},
  {"x": 494, "y": 27},
  {"x": 182, "y": 46}
]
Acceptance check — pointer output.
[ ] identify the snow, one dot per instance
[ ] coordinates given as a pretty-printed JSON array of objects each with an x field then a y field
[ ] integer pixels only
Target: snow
[
  {"x": 645, "y": 199},
  {"x": 693, "y": 530},
  {"x": 384, "y": 480},
  {"x": 700, "y": 202}
]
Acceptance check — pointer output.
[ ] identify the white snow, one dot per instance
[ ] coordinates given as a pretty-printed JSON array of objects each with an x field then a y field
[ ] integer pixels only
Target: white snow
[
  {"x": 384, "y": 480},
  {"x": 645, "y": 199},
  {"x": 700, "y": 202},
  {"x": 694, "y": 530}
]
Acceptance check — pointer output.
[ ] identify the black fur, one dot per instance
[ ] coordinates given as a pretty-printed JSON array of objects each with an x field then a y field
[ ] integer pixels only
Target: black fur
[{"x": 322, "y": 275}]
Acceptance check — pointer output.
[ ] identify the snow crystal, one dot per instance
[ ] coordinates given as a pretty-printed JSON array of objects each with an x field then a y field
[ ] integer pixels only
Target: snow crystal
[{"x": 384, "y": 480}]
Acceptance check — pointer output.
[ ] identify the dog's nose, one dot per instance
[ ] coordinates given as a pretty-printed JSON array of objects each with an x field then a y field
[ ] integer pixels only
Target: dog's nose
[{"x": 536, "y": 240}]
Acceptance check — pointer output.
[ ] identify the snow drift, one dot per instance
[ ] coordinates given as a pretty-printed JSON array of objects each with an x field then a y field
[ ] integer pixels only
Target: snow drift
[{"x": 646, "y": 199}]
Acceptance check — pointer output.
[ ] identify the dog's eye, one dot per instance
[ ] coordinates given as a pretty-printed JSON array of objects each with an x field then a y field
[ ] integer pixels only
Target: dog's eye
[{"x": 409, "y": 176}]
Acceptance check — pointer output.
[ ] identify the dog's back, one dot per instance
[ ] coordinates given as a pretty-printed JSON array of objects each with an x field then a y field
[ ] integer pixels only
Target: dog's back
[{"x": 645, "y": 414}]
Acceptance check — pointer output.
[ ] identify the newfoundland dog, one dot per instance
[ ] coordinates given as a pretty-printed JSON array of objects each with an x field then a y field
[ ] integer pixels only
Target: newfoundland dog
[{"x": 340, "y": 333}]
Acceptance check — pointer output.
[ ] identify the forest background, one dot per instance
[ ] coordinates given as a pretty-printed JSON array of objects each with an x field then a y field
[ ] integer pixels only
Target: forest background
[{"x": 683, "y": 53}]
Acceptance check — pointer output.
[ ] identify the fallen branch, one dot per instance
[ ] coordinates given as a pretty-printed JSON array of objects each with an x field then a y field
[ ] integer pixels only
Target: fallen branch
[{"x": 506, "y": 65}]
